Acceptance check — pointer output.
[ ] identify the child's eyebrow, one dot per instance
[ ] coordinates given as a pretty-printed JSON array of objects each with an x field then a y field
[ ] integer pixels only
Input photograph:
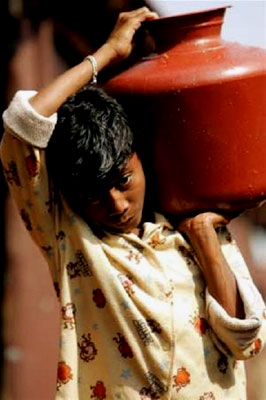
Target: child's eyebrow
[
  {"x": 124, "y": 172},
  {"x": 126, "y": 169}
]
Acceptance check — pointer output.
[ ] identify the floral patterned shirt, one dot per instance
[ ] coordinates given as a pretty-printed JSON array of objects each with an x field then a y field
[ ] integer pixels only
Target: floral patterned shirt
[{"x": 137, "y": 321}]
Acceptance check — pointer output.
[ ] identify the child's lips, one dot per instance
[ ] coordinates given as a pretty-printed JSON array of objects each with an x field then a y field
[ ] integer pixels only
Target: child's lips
[{"x": 124, "y": 221}]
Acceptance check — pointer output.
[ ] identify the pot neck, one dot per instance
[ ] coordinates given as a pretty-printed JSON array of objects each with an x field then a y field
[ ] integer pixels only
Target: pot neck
[{"x": 188, "y": 30}]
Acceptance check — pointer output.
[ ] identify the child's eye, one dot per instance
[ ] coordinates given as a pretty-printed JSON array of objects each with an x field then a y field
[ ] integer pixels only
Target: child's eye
[{"x": 125, "y": 180}]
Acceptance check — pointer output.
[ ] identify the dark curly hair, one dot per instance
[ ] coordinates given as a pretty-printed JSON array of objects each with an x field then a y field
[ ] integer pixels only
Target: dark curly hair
[{"x": 90, "y": 145}]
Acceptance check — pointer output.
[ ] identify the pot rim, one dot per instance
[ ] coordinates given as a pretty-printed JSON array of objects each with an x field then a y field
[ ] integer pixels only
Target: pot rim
[{"x": 186, "y": 14}]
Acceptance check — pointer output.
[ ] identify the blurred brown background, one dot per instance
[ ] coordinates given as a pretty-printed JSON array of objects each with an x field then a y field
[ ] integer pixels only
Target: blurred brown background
[{"x": 40, "y": 39}]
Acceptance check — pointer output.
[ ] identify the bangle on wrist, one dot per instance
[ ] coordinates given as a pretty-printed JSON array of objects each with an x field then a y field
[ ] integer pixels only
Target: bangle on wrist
[{"x": 94, "y": 65}]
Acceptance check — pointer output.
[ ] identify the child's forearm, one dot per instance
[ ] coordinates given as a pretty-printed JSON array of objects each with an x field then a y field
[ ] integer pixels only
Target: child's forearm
[
  {"x": 216, "y": 271},
  {"x": 117, "y": 48},
  {"x": 50, "y": 98}
]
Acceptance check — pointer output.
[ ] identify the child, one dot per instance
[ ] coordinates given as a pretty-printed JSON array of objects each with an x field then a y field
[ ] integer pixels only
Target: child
[{"x": 144, "y": 315}]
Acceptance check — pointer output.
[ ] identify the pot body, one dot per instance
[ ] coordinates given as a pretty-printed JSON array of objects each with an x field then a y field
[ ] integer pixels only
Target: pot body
[{"x": 199, "y": 106}]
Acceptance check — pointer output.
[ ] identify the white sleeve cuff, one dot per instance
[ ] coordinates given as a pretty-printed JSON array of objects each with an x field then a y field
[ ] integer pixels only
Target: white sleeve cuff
[
  {"x": 23, "y": 121},
  {"x": 237, "y": 334},
  {"x": 222, "y": 320}
]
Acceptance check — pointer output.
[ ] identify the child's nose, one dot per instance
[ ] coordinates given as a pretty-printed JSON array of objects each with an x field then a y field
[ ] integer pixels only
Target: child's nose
[{"x": 117, "y": 202}]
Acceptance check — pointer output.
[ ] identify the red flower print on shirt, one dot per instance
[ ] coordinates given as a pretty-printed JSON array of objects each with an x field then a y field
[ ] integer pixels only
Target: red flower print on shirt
[
  {"x": 31, "y": 165},
  {"x": 98, "y": 391},
  {"x": 181, "y": 379},
  {"x": 200, "y": 324},
  {"x": 99, "y": 298},
  {"x": 123, "y": 346},
  {"x": 156, "y": 241},
  {"x": 64, "y": 374},
  {"x": 256, "y": 347}
]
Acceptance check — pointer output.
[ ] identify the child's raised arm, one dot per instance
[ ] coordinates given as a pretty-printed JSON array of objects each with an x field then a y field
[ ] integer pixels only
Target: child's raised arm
[{"x": 117, "y": 48}]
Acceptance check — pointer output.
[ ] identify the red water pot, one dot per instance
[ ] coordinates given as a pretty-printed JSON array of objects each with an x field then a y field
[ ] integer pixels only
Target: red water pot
[{"x": 199, "y": 105}]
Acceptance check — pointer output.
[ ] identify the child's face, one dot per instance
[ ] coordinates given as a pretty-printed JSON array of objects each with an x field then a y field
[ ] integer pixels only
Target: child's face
[{"x": 119, "y": 209}]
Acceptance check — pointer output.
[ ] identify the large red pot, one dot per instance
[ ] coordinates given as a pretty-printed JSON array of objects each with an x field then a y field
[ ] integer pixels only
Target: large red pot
[{"x": 199, "y": 103}]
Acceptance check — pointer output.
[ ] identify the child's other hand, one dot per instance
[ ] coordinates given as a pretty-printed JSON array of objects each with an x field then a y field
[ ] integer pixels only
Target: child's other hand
[
  {"x": 121, "y": 38},
  {"x": 202, "y": 223}
]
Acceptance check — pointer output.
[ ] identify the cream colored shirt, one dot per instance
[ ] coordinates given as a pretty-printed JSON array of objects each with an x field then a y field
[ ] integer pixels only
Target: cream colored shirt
[{"x": 137, "y": 321}]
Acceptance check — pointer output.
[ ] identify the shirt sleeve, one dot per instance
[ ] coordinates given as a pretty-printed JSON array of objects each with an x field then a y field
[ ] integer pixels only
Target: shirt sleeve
[
  {"x": 242, "y": 338},
  {"x": 23, "y": 158}
]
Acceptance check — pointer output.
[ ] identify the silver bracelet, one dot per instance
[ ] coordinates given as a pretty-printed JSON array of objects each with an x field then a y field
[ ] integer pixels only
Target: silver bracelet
[{"x": 94, "y": 65}]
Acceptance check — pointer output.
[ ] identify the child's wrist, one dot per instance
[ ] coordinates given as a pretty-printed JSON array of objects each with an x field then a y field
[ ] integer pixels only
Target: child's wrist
[{"x": 105, "y": 56}]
